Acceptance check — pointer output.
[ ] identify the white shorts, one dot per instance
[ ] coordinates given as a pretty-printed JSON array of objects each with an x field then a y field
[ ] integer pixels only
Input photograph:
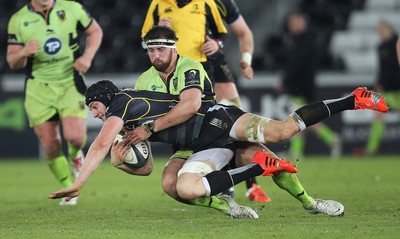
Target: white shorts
[{"x": 219, "y": 157}]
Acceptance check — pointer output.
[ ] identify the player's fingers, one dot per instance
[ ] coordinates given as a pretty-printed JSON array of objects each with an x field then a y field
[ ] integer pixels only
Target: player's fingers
[{"x": 56, "y": 195}]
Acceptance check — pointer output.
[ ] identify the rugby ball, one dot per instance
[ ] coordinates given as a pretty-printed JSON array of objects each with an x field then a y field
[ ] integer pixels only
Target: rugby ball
[{"x": 138, "y": 155}]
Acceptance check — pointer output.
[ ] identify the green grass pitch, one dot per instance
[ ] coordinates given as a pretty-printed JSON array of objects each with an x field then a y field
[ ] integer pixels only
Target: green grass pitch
[{"x": 116, "y": 205}]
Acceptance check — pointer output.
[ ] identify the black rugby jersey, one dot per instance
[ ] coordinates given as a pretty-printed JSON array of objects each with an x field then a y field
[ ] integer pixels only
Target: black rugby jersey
[
  {"x": 208, "y": 128},
  {"x": 228, "y": 10},
  {"x": 138, "y": 107}
]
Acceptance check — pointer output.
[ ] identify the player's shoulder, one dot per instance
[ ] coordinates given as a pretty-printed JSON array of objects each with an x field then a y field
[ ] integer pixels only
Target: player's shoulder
[
  {"x": 188, "y": 63},
  {"x": 149, "y": 73},
  {"x": 72, "y": 7},
  {"x": 68, "y": 4},
  {"x": 20, "y": 13}
]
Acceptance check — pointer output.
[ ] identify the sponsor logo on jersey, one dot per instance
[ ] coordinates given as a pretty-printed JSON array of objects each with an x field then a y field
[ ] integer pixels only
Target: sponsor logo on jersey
[
  {"x": 175, "y": 83},
  {"x": 192, "y": 77},
  {"x": 218, "y": 123},
  {"x": 26, "y": 23},
  {"x": 61, "y": 15},
  {"x": 195, "y": 9},
  {"x": 52, "y": 46}
]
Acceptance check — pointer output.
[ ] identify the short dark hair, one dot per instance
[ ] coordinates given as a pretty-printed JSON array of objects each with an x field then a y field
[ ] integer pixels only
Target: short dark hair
[
  {"x": 102, "y": 91},
  {"x": 160, "y": 32}
]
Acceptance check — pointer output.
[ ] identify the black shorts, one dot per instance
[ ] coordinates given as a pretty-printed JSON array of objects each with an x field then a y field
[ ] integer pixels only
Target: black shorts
[
  {"x": 216, "y": 126},
  {"x": 209, "y": 68},
  {"x": 222, "y": 72}
]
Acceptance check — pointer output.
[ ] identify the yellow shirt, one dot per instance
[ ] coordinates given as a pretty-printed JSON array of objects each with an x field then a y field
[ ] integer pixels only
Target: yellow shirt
[{"x": 190, "y": 23}]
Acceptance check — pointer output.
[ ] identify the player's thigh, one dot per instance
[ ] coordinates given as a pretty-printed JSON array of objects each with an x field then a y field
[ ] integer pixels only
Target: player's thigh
[
  {"x": 250, "y": 127},
  {"x": 71, "y": 102},
  {"x": 49, "y": 137},
  {"x": 189, "y": 184},
  {"x": 40, "y": 102},
  {"x": 225, "y": 90},
  {"x": 74, "y": 129}
]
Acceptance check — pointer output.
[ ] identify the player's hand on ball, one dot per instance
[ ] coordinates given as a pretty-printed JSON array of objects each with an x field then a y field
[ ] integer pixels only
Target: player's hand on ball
[
  {"x": 119, "y": 150},
  {"x": 67, "y": 193},
  {"x": 137, "y": 134}
]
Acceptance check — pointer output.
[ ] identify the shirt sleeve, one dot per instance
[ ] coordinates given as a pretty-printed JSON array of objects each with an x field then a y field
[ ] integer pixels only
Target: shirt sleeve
[
  {"x": 83, "y": 16},
  {"x": 229, "y": 10},
  {"x": 13, "y": 32},
  {"x": 217, "y": 25},
  {"x": 191, "y": 76},
  {"x": 152, "y": 18}
]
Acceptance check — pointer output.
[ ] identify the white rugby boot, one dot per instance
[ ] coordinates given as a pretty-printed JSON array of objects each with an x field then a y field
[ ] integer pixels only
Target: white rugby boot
[
  {"x": 71, "y": 202},
  {"x": 329, "y": 207},
  {"x": 238, "y": 211}
]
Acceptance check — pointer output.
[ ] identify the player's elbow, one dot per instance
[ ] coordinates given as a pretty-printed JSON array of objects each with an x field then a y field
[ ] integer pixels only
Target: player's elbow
[
  {"x": 14, "y": 66},
  {"x": 193, "y": 107}
]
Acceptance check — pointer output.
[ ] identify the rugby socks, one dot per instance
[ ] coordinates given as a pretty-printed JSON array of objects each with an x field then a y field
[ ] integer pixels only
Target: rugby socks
[
  {"x": 250, "y": 181},
  {"x": 375, "y": 137},
  {"x": 297, "y": 145},
  {"x": 325, "y": 134},
  {"x": 60, "y": 169},
  {"x": 218, "y": 181},
  {"x": 297, "y": 142},
  {"x": 73, "y": 151},
  {"x": 291, "y": 184},
  {"x": 212, "y": 202},
  {"x": 313, "y": 113}
]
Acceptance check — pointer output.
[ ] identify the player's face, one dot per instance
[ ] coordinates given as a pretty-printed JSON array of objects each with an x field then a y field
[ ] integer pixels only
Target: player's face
[
  {"x": 98, "y": 110},
  {"x": 161, "y": 57},
  {"x": 296, "y": 24}
]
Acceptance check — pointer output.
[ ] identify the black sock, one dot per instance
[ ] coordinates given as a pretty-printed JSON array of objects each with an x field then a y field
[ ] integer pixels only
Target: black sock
[
  {"x": 222, "y": 180},
  {"x": 250, "y": 181},
  {"x": 316, "y": 112}
]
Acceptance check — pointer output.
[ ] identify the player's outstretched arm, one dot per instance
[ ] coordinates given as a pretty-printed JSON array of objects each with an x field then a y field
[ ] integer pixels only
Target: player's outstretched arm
[{"x": 97, "y": 152}]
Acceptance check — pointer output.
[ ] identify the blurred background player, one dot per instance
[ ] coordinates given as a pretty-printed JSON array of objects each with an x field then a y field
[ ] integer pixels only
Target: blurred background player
[
  {"x": 224, "y": 80},
  {"x": 388, "y": 82},
  {"x": 43, "y": 38},
  {"x": 300, "y": 65}
]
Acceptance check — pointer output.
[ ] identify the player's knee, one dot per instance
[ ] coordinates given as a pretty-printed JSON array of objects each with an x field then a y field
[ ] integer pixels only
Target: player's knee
[
  {"x": 169, "y": 187},
  {"x": 186, "y": 189},
  {"x": 75, "y": 140},
  {"x": 51, "y": 148}
]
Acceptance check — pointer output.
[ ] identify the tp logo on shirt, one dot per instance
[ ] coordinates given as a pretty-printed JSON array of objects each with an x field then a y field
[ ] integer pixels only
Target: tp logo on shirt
[{"x": 52, "y": 46}]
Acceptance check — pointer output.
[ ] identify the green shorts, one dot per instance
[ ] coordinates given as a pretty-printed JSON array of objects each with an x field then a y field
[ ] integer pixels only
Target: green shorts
[
  {"x": 44, "y": 100},
  {"x": 392, "y": 99},
  {"x": 183, "y": 154}
]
